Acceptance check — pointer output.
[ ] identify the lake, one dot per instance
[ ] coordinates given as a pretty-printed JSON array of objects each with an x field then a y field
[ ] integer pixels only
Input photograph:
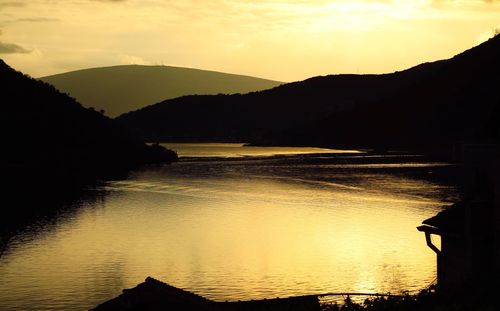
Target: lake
[{"x": 230, "y": 223}]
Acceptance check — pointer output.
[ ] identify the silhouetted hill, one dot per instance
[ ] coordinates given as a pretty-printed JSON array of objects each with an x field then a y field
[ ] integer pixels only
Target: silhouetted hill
[
  {"x": 252, "y": 116},
  {"x": 432, "y": 104},
  {"x": 121, "y": 89},
  {"x": 48, "y": 136},
  {"x": 458, "y": 103}
]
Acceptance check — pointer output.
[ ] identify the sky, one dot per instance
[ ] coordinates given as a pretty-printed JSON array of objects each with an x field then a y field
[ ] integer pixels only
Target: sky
[{"x": 274, "y": 39}]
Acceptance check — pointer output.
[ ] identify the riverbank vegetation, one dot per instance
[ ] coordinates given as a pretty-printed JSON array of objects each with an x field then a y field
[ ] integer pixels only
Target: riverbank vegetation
[{"x": 426, "y": 300}]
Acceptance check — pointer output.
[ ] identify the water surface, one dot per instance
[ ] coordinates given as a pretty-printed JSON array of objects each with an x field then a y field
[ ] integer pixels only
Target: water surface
[
  {"x": 225, "y": 150},
  {"x": 235, "y": 224}
]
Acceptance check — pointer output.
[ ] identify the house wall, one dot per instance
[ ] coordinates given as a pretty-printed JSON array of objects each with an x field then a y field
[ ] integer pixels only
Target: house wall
[
  {"x": 451, "y": 263},
  {"x": 497, "y": 222}
]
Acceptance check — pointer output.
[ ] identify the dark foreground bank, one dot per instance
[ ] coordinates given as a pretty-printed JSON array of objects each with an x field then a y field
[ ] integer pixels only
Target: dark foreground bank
[
  {"x": 45, "y": 132},
  {"x": 156, "y": 295}
]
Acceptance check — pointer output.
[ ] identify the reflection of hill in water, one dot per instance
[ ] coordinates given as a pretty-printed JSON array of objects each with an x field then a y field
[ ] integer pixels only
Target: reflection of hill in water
[{"x": 34, "y": 210}]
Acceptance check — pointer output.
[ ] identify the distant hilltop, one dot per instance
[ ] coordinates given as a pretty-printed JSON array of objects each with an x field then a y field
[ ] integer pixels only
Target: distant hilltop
[{"x": 120, "y": 89}]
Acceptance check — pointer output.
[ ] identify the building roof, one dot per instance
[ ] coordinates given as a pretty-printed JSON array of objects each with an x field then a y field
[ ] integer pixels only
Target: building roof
[
  {"x": 449, "y": 221},
  {"x": 156, "y": 295}
]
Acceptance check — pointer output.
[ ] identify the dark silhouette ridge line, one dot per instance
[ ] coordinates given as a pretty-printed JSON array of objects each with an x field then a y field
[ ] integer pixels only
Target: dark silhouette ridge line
[
  {"x": 277, "y": 107},
  {"x": 161, "y": 66},
  {"x": 42, "y": 125},
  {"x": 429, "y": 106}
]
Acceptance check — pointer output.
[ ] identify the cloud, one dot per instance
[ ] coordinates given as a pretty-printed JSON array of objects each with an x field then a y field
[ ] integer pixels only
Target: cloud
[
  {"x": 132, "y": 60},
  {"x": 485, "y": 36},
  {"x": 12, "y": 48},
  {"x": 37, "y": 19},
  {"x": 463, "y": 2},
  {"x": 30, "y": 20},
  {"x": 12, "y": 4},
  {"x": 280, "y": 39}
]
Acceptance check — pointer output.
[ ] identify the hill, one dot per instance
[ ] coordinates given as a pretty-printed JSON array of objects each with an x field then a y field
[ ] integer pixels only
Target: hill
[
  {"x": 430, "y": 105},
  {"x": 260, "y": 115},
  {"x": 458, "y": 103},
  {"x": 120, "y": 89},
  {"x": 47, "y": 135}
]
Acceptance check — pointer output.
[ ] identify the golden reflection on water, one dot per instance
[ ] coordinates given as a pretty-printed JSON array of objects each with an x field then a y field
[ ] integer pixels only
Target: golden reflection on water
[{"x": 228, "y": 232}]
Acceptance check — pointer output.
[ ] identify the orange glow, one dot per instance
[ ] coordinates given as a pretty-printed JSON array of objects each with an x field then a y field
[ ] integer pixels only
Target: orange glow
[{"x": 276, "y": 39}]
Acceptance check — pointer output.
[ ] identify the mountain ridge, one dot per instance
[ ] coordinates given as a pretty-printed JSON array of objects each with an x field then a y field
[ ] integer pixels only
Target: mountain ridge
[
  {"x": 395, "y": 110},
  {"x": 48, "y": 132},
  {"x": 122, "y": 88},
  {"x": 280, "y": 107},
  {"x": 455, "y": 105}
]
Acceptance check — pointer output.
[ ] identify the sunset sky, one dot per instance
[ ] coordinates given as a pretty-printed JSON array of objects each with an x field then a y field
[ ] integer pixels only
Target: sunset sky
[{"x": 275, "y": 39}]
